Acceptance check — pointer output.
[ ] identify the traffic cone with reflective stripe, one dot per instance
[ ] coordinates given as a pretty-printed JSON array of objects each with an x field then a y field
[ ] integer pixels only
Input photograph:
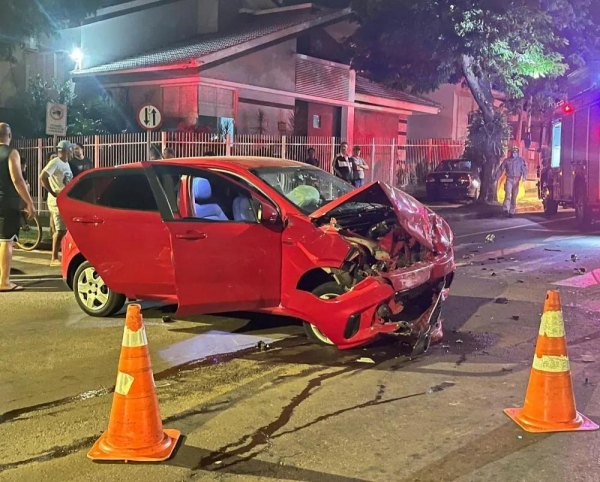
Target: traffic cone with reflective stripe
[
  {"x": 135, "y": 431},
  {"x": 549, "y": 401}
]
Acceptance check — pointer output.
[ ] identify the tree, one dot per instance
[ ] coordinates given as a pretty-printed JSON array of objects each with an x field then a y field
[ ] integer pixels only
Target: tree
[
  {"x": 22, "y": 19},
  {"x": 96, "y": 114},
  {"x": 509, "y": 45}
]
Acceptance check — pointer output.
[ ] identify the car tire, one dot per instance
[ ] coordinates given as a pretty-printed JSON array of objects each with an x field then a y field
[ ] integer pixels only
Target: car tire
[
  {"x": 92, "y": 295},
  {"x": 325, "y": 291}
]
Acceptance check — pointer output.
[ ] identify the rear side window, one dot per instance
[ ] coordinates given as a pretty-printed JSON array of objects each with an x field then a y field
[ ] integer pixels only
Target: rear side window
[{"x": 123, "y": 189}]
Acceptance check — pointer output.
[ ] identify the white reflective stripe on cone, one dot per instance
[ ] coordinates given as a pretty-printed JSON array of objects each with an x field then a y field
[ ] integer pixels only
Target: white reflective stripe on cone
[
  {"x": 132, "y": 339},
  {"x": 552, "y": 364},
  {"x": 552, "y": 324},
  {"x": 124, "y": 383}
]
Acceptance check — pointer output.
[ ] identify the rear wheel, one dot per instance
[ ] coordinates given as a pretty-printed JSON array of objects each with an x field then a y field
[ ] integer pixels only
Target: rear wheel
[
  {"x": 326, "y": 291},
  {"x": 583, "y": 215},
  {"x": 92, "y": 294}
]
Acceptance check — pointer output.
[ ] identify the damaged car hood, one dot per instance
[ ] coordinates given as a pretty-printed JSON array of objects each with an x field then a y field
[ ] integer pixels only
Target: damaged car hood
[{"x": 428, "y": 228}]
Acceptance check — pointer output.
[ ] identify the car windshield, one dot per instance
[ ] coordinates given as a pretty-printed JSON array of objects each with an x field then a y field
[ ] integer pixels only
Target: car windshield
[
  {"x": 455, "y": 165},
  {"x": 307, "y": 188}
]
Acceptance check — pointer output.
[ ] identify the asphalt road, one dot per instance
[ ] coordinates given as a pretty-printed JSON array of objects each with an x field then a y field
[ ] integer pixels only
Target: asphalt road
[{"x": 299, "y": 412}]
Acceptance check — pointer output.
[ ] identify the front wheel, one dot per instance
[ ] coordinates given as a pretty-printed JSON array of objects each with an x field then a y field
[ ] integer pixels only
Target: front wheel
[
  {"x": 550, "y": 206},
  {"x": 92, "y": 295},
  {"x": 326, "y": 291}
]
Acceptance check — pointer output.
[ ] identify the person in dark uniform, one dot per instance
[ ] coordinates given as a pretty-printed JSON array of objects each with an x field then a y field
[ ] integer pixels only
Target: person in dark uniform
[{"x": 13, "y": 192}]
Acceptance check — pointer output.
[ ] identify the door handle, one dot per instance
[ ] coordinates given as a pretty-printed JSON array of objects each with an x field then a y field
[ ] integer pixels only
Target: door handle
[
  {"x": 91, "y": 220},
  {"x": 191, "y": 236}
]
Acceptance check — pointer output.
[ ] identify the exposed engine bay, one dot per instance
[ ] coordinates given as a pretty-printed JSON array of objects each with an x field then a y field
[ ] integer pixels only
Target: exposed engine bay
[
  {"x": 379, "y": 244},
  {"x": 382, "y": 248}
]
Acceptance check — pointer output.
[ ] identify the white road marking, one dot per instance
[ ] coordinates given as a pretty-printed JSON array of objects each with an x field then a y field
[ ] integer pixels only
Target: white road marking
[
  {"x": 509, "y": 228},
  {"x": 581, "y": 281}
]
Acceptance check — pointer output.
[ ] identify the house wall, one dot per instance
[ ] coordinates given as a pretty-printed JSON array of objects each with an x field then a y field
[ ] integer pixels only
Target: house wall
[
  {"x": 12, "y": 80},
  {"x": 327, "y": 114},
  {"x": 440, "y": 126},
  {"x": 369, "y": 124},
  {"x": 112, "y": 39},
  {"x": 272, "y": 68}
]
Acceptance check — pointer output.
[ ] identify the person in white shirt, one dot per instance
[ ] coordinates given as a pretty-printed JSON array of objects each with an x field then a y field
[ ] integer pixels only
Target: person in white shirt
[
  {"x": 359, "y": 166},
  {"x": 54, "y": 177}
]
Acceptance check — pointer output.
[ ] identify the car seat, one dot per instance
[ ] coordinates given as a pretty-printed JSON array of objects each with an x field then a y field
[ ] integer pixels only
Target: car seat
[
  {"x": 242, "y": 209},
  {"x": 202, "y": 192}
]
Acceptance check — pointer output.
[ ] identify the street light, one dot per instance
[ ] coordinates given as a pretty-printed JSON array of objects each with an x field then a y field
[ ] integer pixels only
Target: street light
[{"x": 77, "y": 57}]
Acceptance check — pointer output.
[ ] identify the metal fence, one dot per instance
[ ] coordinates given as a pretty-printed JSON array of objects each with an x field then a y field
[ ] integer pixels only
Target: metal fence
[{"x": 403, "y": 165}]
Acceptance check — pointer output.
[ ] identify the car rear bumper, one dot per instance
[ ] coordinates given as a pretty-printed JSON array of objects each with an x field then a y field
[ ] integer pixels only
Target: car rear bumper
[
  {"x": 371, "y": 308},
  {"x": 451, "y": 192}
]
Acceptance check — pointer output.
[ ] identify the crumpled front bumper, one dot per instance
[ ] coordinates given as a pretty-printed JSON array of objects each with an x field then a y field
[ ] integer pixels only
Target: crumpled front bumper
[{"x": 355, "y": 318}]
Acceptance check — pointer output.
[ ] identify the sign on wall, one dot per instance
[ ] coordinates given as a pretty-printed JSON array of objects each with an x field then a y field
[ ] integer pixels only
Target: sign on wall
[
  {"x": 56, "y": 119},
  {"x": 150, "y": 118}
]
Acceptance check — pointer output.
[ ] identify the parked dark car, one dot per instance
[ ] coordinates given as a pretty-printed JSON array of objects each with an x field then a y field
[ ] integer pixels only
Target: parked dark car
[{"x": 454, "y": 180}]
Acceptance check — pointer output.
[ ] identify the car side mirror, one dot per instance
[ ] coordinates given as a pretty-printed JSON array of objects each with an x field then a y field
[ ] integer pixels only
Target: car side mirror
[{"x": 266, "y": 214}]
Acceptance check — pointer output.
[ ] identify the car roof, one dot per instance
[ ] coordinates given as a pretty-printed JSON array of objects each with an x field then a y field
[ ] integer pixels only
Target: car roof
[{"x": 245, "y": 162}]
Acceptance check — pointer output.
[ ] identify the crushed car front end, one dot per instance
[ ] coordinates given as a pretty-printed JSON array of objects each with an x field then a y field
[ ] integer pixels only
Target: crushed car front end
[{"x": 396, "y": 273}]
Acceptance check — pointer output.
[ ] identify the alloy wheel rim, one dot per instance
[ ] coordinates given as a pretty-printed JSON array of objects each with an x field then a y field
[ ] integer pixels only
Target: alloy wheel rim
[{"x": 92, "y": 290}]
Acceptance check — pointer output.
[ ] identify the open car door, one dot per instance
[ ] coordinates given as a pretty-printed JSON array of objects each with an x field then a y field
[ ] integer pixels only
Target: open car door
[{"x": 223, "y": 261}]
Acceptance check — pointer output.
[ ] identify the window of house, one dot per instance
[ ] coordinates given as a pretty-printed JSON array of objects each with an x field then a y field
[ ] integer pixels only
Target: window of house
[
  {"x": 126, "y": 189},
  {"x": 216, "y": 108},
  {"x": 316, "y": 121}
]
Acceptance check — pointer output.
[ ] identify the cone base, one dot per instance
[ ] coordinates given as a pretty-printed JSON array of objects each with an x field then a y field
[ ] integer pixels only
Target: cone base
[
  {"x": 580, "y": 424},
  {"x": 150, "y": 454}
]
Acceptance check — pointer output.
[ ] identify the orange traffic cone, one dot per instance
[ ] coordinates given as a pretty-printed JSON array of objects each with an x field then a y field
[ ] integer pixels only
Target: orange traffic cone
[
  {"x": 135, "y": 431},
  {"x": 549, "y": 402}
]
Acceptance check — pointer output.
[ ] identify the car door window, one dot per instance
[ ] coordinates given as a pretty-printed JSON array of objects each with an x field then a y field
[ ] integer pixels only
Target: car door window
[
  {"x": 123, "y": 189},
  {"x": 206, "y": 195}
]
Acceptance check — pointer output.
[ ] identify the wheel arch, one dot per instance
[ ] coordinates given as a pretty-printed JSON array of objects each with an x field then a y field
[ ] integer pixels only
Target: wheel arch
[
  {"x": 77, "y": 261},
  {"x": 314, "y": 278}
]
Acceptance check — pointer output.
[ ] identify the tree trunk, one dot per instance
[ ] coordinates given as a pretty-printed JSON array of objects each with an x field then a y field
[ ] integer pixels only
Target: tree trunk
[{"x": 481, "y": 89}]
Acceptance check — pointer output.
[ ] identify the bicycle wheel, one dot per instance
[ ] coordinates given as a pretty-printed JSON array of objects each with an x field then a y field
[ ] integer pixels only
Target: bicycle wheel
[{"x": 30, "y": 237}]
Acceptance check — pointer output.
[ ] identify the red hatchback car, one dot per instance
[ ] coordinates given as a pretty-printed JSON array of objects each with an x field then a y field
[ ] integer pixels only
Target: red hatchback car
[{"x": 216, "y": 235}]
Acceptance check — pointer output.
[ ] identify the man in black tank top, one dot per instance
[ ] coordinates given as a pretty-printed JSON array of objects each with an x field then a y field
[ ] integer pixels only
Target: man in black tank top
[{"x": 13, "y": 191}]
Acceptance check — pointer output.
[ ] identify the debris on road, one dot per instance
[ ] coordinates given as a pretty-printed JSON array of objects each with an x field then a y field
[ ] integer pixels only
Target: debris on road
[
  {"x": 468, "y": 256},
  {"x": 520, "y": 281},
  {"x": 504, "y": 369},
  {"x": 588, "y": 359},
  {"x": 459, "y": 341},
  {"x": 167, "y": 319},
  {"x": 574, "y": 258},
  {"x": 490, "y": 238},
  {"x": 554, "y": 250},
  {"x": 365, "y": 360},
  {"x": 494, "y": 274},
  {"x": 580, "y": 271},
  {"x": 515, "y": 317},
  {"x": 262, "y": 346},
  {"x": 501, "y": 301}
]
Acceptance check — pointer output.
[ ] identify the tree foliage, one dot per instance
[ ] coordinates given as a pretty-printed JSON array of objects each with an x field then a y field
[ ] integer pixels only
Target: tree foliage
[
  {"x": 520, "y": 47},
  {"x": 97, "y": 114},
  {"x": 22, "y": 19}
]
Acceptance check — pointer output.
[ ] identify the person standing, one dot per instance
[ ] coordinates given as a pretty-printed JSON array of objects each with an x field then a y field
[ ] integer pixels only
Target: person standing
[
  {"x": 311, "y": 159},
  {"x": 79, "y": 163},
  {"x": 54, "y": 177},
  {"x": 515, "y": 168},
  {"x": 359, "y": 166},
  {"x": 169, "y": 153},
  {"x": 342, "y": 165},
  {"x": 13, "y": 192}
]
